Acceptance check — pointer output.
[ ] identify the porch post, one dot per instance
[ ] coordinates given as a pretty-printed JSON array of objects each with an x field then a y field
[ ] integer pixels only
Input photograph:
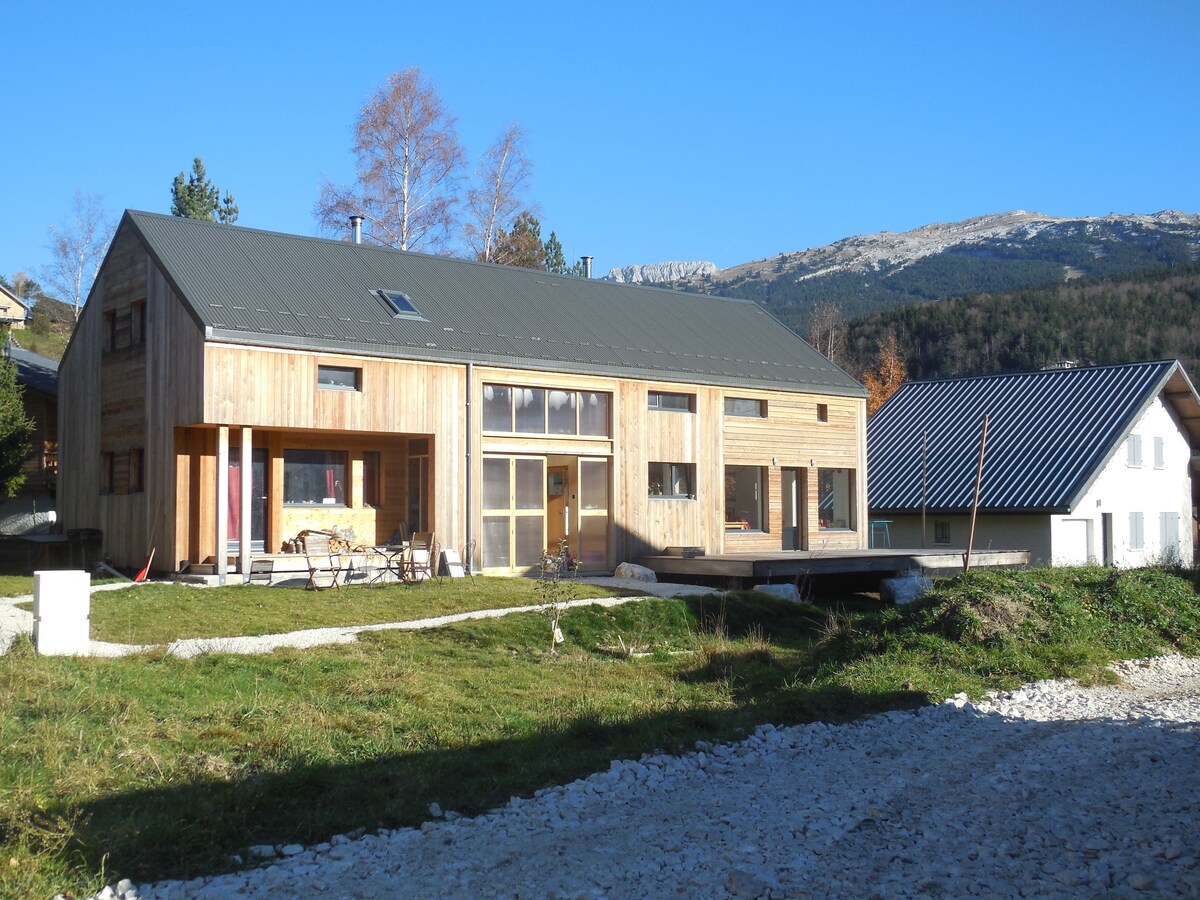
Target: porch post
[
  {"x": 222, "y": 504},
  {"x": 244, "y": 529}
]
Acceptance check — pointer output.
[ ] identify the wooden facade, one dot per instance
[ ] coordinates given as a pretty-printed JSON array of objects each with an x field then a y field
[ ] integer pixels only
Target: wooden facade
[{"x": 157, "y": 416}]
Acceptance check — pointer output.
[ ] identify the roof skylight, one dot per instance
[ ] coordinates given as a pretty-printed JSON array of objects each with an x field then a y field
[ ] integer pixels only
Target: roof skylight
[{"x": 399, "y": 303}]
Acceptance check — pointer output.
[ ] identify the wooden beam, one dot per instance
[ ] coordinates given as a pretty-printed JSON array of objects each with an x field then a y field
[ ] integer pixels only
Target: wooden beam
[
  {"x": 221, "y": 554},
  {"x": 247, "y": 486}
]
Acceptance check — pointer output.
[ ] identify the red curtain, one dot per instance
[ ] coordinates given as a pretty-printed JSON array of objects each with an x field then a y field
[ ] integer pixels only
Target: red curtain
[{"x": 235, "y": 496}]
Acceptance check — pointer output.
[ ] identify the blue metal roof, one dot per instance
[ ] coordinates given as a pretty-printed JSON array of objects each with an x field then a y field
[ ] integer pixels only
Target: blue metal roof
[
  {"x": 1049, "y": 435},
  {"x": 260, "y": 287}
]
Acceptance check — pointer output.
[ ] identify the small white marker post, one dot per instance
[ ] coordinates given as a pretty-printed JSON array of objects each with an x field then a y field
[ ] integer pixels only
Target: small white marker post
[{"x": 61, "y": 613}]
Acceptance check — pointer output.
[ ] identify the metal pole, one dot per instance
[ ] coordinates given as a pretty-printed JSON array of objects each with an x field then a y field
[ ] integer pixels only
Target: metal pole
[
  {"x": 924, "y": 483},
  {"x": 975, "y": 505}
]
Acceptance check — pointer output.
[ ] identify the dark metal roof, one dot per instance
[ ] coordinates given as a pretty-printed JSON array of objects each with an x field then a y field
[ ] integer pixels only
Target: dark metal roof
[
  {"x": 1049, "y": 435},
  {"x": 34, "y": 371},
  {"x": 265, "y": 288}
]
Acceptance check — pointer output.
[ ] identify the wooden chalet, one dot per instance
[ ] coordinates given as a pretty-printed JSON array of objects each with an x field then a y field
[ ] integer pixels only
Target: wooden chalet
[{"x": 228, "y": 388}]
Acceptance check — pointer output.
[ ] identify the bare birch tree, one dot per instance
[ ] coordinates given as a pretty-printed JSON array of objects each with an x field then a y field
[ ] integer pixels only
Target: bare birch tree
[
  {"x": 494, "y": 201},
  {"x": 77, "y": 248},
  {"x": 409, "y": 164},
  {"x": 827, "y": 331}
]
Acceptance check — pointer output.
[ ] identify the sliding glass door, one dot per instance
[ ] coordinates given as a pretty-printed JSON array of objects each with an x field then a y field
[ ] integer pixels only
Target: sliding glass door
[{"x": 514, "y": 512}]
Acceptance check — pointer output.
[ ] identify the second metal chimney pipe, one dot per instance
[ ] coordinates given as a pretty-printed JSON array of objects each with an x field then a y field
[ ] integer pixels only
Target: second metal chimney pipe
[
  {"x": 356, "y": 229},
  {"x": 587, "y": 266}
]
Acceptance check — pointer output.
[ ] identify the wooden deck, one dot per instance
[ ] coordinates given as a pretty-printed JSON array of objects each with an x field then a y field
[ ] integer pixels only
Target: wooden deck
[{"x": 794, "y": 563}]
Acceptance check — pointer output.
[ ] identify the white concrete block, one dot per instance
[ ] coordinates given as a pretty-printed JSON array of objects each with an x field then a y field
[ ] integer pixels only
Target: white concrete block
[
  {"x": 61, "y": 613},
  {"x": 782, "y": 591}
]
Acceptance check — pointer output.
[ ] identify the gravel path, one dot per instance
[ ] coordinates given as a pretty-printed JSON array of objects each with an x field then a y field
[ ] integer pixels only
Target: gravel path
[
  {"x": 14, "y": 622},
  {"x": 1049, "y": 791}
]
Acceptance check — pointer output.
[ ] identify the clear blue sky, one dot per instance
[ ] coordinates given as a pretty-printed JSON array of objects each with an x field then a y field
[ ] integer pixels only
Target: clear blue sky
[{"x": 658, "y": 131}]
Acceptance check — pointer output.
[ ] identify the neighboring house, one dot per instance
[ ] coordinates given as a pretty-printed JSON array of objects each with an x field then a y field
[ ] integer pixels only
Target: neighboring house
[
  {"x": 1081, "y": 464},
  {"x": 33, "y": 509},
  {"x": 228, "y": 388},
  {"x": 13, "y": 309}
]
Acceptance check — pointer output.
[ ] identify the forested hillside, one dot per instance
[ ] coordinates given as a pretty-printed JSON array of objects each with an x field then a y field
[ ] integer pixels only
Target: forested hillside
[
  {"x": 869, "y": 274},
  {"x": 1150, "y": 314}
]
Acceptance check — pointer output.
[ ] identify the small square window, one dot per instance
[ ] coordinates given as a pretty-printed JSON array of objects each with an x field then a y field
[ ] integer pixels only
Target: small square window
[
  {"x": 339, "y": 378},
  {"x": 671, "y": 480},
  {"x": 822, "y": 412},
  {"x": 941, "y": 532}
]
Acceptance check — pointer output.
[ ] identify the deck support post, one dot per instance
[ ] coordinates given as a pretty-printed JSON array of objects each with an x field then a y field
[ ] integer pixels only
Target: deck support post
[{"x": 244, "y": 530}]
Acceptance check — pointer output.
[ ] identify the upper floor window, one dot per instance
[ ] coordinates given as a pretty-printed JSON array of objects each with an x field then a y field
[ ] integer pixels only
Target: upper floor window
[
  {"x": 743, "y": 406},
  {"x": 1159, "y": 453},
  {"x": 667, "y": 400},
  {"x": 1133, "y": 451},
  {"x": 530, "y": 410},
  {"x": 822, "y": 412},
  {"x": 339, "y": 378}
]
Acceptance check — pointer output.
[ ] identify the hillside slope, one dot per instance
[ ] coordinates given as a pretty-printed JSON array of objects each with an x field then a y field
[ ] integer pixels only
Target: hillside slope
[
  {"x": 1146, "y": 315},
  {"x": 988, "y": 254}
]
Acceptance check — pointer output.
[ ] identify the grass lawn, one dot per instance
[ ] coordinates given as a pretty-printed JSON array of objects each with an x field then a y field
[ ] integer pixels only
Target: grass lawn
[{"x": 152, "y": 766}]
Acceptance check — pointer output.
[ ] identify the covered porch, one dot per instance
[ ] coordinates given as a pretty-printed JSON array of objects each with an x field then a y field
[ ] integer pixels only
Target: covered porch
[{"x": 250, "y": 492}]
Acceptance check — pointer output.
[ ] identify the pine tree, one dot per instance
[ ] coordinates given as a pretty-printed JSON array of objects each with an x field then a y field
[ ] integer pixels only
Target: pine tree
[
  {"x": 16, "y": 431},
  {"x": 195, "y": 197}
]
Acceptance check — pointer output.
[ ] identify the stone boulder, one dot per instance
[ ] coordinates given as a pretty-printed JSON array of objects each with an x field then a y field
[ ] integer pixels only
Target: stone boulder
[{"x": 636, "y": 572}]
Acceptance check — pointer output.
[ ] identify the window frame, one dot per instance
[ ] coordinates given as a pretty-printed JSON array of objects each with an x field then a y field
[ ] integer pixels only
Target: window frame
[
  {"x": 822, "y": 412},
  {"x": 758, "y": 504},
  {"x": 343, "y": 503},
  {"x": 941, "y": 532},
  {"x": 1133, "y": 451},
  {"x": 851, "y": 500},
  {"x": 1137, "y": 531},
  {"x": 326, "y": 369},
  {"x": 576, "y": 398},
  {"x": 1160, "y": 453},
  {"x": 760, "y": 407},
  {"x": 689, "y": 399},
  {"x": 668, "y": 473},
  {"x": 399, "y": 304}
]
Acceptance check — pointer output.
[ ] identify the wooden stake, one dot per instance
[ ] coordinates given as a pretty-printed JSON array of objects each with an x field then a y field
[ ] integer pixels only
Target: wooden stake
[{"x": 975, "y": 505}]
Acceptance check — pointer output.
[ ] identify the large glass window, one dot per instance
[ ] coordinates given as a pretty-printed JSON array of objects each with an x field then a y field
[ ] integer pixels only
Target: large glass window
[
  {"x": 835, "y": 493},
  {"x": 314, "y": 476},
  {"x": 528, "y": 410},
  {"x": 672, "y": 480},
  {"x": 497, "y": 407},
  {"x": 529, "y": 404},
  {"x": 743, "y": 498},
  {"x": 593, "y": 413}
]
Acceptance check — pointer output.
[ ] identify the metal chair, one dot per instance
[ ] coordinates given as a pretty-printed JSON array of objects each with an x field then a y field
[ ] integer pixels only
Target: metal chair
[
  {"x": 468, "y": 558},
  {"x": 420, "y": 562}
]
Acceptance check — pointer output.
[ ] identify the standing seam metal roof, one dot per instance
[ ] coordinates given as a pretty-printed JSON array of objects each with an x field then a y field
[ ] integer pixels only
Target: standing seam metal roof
[
  {"x": 1048, "y": 434},
  {"x": 271, "y": 289}
]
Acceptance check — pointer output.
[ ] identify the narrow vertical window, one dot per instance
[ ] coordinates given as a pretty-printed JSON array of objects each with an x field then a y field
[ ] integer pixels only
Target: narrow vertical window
[
  {"x": 822, "y": 412},
  {"x": 371, "y": 492},
  {"x": 1159, "y": 453},
  {"x": 137, "y": 470},
  {"x": 1137, "y": 539},
  {"x": 1133, "y": 451}
]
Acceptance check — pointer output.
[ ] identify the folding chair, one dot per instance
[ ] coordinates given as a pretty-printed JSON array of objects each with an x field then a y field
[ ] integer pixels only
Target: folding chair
[
  {"x": 420, "y": 563},
  {"x": 321, "y": 560}
]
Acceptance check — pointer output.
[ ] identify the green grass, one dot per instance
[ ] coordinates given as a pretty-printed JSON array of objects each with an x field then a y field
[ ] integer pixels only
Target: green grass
[
  {"x": 152, "y": 766},
  {"x": 159, "y": 613}
]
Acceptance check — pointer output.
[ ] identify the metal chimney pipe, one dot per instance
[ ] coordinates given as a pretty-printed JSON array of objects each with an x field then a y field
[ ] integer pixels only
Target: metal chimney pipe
[
  {"x": 356, "y": 229},
  {"x": 587, "y": 266}
]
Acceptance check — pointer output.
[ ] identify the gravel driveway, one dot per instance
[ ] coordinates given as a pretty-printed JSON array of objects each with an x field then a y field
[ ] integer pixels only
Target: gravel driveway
[{"x": 1049, "y": 791}]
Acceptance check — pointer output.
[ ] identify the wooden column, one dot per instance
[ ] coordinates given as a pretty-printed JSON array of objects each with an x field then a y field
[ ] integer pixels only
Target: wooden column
[
  {"x": 244, "y": 530},
  {"x": 221, "y": 555}
]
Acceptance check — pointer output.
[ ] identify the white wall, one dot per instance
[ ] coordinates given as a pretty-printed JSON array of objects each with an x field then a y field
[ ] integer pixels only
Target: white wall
[{"x": 1122, "y": 489}]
